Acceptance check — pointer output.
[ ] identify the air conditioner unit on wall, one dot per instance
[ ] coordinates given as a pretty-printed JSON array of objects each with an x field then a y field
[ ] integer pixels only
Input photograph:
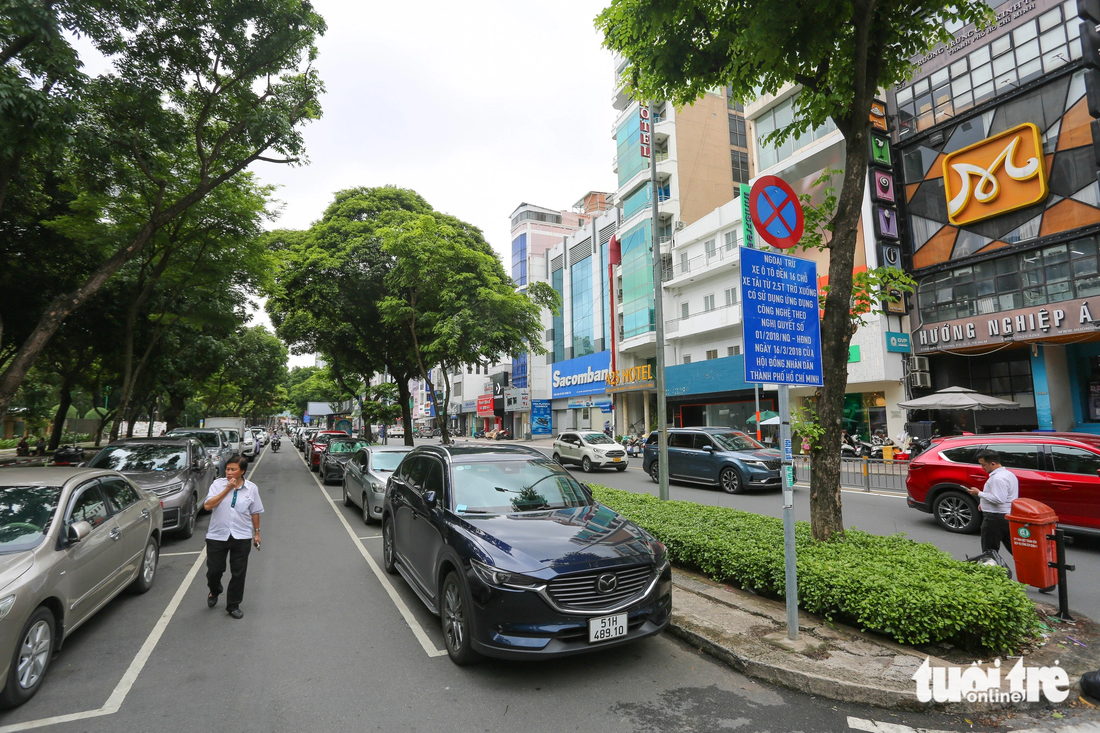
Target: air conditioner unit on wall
[
  {"x": 679, "y": 225},
  {"x": 918, "y": 363},
  {"x": 920, "y": 379}
]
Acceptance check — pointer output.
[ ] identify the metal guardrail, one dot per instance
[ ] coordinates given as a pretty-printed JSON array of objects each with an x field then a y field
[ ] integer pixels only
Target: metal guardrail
[{"x": 869, "y": 474}]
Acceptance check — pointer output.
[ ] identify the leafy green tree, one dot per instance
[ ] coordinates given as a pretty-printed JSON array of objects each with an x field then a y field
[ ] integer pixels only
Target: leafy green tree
[
  {"x": 448, "y": 291},
  {"x": 251, "y": 379},
  {"x": 202, "y": 89},
  {"x": 839, "y": 54},
  {"x": 309, "y": 384}
]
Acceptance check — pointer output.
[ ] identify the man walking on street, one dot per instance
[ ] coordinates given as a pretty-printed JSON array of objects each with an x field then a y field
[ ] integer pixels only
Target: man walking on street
[
  {"x": 1000, "y": 491},
  {"x": 235, "y": 508}
]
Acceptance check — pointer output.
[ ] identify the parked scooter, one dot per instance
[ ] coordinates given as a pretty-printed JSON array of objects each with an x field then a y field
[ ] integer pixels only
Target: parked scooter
[
  {"x": 853, "y": 447},
  {"x": 68, "y": 455}
]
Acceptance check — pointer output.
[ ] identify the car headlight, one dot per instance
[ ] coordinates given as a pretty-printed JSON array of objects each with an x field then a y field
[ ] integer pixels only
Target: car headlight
[
  {"x": 756, "y": 464},
  {"x": 6, "y": 604},
  {"x": 169, "y": 490},
  {"x": 379, "y": 488},
  {"x": 506, "y": 579}
]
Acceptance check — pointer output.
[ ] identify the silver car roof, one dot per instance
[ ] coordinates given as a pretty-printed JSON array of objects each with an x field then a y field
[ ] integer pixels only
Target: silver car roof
[{"x": 49, "y": 475}]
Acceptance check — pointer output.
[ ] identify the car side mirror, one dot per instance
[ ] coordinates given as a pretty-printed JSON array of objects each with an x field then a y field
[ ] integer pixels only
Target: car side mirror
[
  {"x": 78, "y": 531},
  {"x": 429, "y": 499},
  {"x": 708, "y": 448},
  {"x": 587, "y": 491}
]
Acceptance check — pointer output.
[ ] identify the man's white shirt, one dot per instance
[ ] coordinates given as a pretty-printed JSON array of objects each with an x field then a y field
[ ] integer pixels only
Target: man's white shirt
[
  {"x": 233, "y": 518},
  {"x": 1000, "y": 491}
]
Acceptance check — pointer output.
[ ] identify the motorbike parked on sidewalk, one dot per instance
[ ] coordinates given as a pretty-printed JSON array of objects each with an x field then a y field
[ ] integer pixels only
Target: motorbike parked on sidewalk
[{"x": 68, "y": 455}]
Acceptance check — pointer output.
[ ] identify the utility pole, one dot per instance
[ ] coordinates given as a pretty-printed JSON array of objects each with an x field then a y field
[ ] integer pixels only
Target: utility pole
[{"x": 658, "y": 308}]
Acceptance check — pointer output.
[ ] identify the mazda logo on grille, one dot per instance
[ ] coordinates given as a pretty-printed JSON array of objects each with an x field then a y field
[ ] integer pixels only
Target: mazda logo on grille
[{"x": 607, "y": 582}]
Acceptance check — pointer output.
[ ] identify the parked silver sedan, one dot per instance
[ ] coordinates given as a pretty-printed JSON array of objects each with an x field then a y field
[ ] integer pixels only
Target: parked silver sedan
[
  {"x": 71, "y": 539},
  {"x": 365, "y": 478}
]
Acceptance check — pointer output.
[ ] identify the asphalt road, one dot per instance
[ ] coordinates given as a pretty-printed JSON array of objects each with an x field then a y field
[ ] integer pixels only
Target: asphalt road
[
  {"x": 878, "y": 513},
  {"x": 329, "y": 644}
]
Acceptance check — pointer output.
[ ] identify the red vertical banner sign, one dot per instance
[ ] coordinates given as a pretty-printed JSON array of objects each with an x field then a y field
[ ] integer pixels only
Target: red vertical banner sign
[{"x": 644, "y": 130}]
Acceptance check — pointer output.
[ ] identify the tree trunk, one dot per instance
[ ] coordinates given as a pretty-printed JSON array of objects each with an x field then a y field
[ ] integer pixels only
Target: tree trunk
[
  {"x": 176, "y": 405},
  {"x": 837, "y": 329},
  {"x": 66, "y": 395},
  {"x": 406, "y": 412},
  {"x": 444, "y": 433}
]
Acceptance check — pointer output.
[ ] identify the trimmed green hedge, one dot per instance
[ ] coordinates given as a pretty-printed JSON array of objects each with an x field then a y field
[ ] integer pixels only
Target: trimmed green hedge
[{"x": 911, "y": 591}]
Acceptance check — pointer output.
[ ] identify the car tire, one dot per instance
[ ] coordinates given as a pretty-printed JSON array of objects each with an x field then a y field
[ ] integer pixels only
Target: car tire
[
  {"x": 148, "y": 570},
  {"x": 586, "y": 464},
  {"x": 956, "y": 512},
  {"x": 347, "y": 499},
  {"x": 35, "y": 643},
  {"x": 655, "y": 472},
  {"x": 557, "y": 459},
  {"x": 730, "y": 481},
  {"x": 367, "y": 518},
  {"x": 189, "y": 529},
  {"x": 389, "y": 553},
  {"x": 454, "y": 615},
  {"x": 620, "y": 469}
]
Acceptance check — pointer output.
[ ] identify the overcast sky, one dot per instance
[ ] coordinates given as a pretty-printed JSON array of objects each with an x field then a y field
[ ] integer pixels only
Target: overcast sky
[{"x": 477, "y": 106}]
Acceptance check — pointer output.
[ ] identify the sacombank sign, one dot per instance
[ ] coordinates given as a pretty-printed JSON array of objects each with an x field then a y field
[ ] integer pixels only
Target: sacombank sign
[{"x": 581, "y": 376}]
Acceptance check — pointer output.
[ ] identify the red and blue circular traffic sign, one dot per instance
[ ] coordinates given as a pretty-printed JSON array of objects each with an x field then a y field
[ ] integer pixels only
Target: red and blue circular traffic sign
[{"x": 776, "y": 212}]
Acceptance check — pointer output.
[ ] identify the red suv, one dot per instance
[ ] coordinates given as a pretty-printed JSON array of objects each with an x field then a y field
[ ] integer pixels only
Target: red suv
[
  {"x": 317, "y": 443},
  {"x": 1062, "y": 470}
]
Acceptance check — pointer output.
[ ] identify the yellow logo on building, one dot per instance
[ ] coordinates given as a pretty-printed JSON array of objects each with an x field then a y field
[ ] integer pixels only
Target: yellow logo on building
[{"x": 995, "y": 176}]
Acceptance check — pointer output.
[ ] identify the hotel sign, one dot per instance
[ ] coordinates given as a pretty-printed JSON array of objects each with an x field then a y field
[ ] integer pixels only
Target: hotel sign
[
  {"x": 627, "y": 380},
  {"x": 1027, "y": 324}
]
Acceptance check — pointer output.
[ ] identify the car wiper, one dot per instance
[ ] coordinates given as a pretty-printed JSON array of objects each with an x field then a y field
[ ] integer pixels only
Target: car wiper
[{"x": 475, "y": 511}]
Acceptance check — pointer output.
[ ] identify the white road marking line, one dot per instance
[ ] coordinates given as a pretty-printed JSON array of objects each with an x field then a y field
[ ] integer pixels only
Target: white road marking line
[
  {"x": 371, "y": 537},
  {"x": 118, "y": 696},
  {"x": 383, "y": 578},
  {"x": 874, "y": 726},
  {"x": 175, "y": 554}
]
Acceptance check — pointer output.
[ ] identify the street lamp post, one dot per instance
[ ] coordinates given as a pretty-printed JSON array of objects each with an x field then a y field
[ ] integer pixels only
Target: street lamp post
[{"x": 659, "y": 326}]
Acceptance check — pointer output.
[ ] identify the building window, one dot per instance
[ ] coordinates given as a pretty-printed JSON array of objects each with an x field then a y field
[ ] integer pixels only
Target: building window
[
  {"x": 687, "y": 358},
  {"x": 536, "y": 216},
  {"x": 733, "y": 239},
  {"x": 557, "y": 281},
  {"x": 1038, "y": 277},
  {"x": 583, "y": 307},
  {"x": 712, "y": 354},
  {"x": 519, "y": 259},
  {"x": 708, "y": 246},
  {"x": 731, "y": 296},
  {"x": 777, "y": 118},
  {"x": 733, "y": 350},
  {"x": 740, "y": 163},
  {"x": 708, "y": 302},
  {"x": 737, "y": 131},
  {"x": 684, "y": 310},
  {"x": 684, "y": 266},
  {"x": 1032, "y": 49}
]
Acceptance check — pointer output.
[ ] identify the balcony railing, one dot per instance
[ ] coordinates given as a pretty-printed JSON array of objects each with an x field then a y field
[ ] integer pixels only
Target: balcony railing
[
  {"x": 701, "y": 262},
  {"x": 673, "y": 325}
]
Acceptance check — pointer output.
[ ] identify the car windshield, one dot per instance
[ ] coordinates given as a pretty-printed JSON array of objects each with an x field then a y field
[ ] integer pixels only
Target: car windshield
[
  {"x": 735, "y": 441},
  {"x": 386, "y": 460},
  {"x": 514, "y": 486},
  {"x": 345, "y": 446},
  {"x": 147, "y": 457},
  {"x": 234, "y": 436},
  {"x": 25, "y": 516},
  {"x": 596, "y": 438},
  {"x": 210, "y": 440}
]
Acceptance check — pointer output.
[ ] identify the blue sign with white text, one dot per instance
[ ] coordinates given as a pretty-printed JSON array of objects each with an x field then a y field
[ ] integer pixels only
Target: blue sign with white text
[
  {"x": 581, "y": 376},
  {"x": 897, "y": 342},
  {"x": 542, "y": 421},
  {"x": 781, "y": 323}
]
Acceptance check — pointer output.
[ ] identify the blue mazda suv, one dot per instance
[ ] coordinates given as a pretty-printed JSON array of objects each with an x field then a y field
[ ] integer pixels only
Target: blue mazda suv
[
  {"x": 517, "y": 558},
  {"x": 720, "y": 457}
]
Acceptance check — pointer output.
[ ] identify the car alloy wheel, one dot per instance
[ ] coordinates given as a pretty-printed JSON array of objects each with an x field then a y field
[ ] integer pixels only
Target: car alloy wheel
[
  {"x": 366, "y": 511},
  {"x": 34, "y": 654},
  {"x": 347, "y": 499},
  {"x": 144, "y": 580},
  {"x": 189, "y": 528},
  {"x": 730, "y": 481},
  {"x": 389, "y": 553},
  {"x": 456, "y": 622},
  {"x": 586, "y": 464},
  {"x": 655, "y": 472},
  {"x": 557, "y": 459},
  {"x": 955, "y": 513}
]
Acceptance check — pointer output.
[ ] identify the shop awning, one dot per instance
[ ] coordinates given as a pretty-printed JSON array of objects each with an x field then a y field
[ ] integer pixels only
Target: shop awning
[
  {"x": 766, "y": 416},
  {"x": 958, "y": 398}
]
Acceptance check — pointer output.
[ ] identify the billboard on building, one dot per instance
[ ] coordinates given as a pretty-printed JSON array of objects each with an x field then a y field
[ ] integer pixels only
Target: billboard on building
[
  {"x": 584, "y": 375},
  {"x": 485, "y": 405},
  {"x": 542, "y": 420}
]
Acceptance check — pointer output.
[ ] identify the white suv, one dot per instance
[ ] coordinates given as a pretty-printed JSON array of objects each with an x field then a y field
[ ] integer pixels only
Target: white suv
[{"x": 590, "y": 449}]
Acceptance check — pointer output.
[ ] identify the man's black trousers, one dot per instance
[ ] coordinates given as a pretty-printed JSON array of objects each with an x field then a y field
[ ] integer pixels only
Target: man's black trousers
[
  {"x": 237, "y": 551},
  {"x": 995, "y": 531}
]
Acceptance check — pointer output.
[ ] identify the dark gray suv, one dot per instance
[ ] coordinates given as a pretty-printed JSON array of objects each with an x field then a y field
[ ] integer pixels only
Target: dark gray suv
[{"x": 721, "y": 457}]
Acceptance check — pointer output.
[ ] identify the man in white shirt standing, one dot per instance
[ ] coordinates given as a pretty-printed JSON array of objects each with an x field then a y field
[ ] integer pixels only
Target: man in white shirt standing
[
  {"x": 235, "y": 510},
  {"x": 1001, "y": 489}
]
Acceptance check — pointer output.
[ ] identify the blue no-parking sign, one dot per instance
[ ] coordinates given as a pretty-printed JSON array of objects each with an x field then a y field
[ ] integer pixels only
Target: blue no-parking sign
[
  {"x": 781, "y": 325},
  {"x": 776, "y": 212}
]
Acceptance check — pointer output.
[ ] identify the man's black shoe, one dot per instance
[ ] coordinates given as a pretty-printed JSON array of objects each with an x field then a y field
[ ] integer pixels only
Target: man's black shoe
[
  {"x": 211, "y": 601},
  {"x": 236, "y": 613}
]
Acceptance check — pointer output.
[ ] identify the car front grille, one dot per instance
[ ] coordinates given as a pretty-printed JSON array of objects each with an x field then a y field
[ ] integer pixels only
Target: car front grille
[
  {"x": 171, "y": 518},
  {"x": 772, "y": 465},
  {"x": 615, "y": 454},
  {"x": 580, "y": 591}
]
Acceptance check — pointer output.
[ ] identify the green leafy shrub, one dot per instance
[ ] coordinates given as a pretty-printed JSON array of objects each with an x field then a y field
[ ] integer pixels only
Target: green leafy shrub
[{"x": 911, "y": 591}]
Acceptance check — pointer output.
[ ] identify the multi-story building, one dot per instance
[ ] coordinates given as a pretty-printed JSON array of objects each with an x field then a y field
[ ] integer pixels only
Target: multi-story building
[{"x": 1008, "y": 295}]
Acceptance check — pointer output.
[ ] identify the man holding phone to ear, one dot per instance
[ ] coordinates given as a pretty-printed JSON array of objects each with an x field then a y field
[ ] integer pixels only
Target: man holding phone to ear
[{"x": 235, "y": 508}]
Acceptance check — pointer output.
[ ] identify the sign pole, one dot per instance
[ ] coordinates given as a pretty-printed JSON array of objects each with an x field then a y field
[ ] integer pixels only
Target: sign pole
[
  {"x": 756, "y": 389},
  {"x": 787, "y": 472},
  {"x": 658, "y": 316}
]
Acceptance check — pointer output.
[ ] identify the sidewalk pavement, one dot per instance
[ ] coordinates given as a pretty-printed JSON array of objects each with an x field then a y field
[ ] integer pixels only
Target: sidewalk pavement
[{"x": 747, "y": 632}]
